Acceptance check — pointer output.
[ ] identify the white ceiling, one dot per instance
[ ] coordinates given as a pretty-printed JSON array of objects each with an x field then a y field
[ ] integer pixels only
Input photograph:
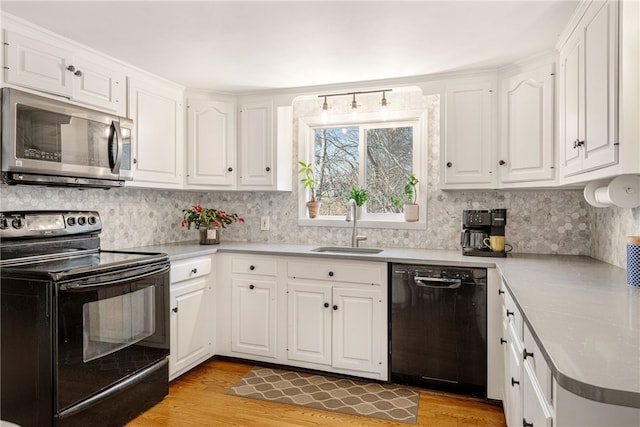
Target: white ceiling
[{"x": 241, "y": 46}]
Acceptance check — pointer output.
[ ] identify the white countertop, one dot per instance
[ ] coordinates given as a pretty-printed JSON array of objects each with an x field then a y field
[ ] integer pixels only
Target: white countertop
[{"x": 584, "y": 316}]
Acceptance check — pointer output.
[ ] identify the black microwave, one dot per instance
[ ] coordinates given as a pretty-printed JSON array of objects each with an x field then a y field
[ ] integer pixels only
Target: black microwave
[{"x": 50, "y": 142}]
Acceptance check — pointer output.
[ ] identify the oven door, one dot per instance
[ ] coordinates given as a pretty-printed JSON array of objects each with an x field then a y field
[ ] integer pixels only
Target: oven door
[{"x": 109, "y": 328}]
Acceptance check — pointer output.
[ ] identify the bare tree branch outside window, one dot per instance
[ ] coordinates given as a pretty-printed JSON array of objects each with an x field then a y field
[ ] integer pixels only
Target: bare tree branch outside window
[{"x": 388, "y": 160}]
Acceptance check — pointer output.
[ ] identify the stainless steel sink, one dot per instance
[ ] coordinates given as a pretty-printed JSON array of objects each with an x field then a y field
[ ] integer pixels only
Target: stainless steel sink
[{"x": 346, "y": 249}]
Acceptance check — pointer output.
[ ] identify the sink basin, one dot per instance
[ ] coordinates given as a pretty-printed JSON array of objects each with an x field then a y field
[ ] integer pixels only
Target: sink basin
[{"x": 347, "y": 250}]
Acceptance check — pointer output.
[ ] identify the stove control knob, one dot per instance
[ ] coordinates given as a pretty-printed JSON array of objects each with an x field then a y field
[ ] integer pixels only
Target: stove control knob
[
  {"x": 82, "y": 220},
  {"x": 92, "y": 220},
  {"x": 4, "y": 223},
  {"x": 17, "y": 223},
  {"x": 71, "y": 221}
]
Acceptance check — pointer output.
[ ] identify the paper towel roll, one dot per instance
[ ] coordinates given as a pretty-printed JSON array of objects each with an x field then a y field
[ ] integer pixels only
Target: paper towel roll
[
  {"x": 633, "y": 261},
  {"x": 622, "y": 191}
]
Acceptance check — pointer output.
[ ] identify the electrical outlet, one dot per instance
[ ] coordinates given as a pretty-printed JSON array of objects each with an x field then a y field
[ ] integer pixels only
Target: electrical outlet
[{"x": 264, "y": 223}]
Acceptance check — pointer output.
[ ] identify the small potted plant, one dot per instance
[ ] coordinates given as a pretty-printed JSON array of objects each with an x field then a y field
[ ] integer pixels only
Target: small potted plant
[
  {"x": 208, "y": 221},
  {"x": 360, "y": 196},
  {"x": 410, "y": 195},
  {"x": 309, "y": 182}
]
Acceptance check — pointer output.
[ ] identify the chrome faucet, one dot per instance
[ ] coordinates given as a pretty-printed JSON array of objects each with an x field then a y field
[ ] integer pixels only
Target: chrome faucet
[{"x": 352, "y": 212}]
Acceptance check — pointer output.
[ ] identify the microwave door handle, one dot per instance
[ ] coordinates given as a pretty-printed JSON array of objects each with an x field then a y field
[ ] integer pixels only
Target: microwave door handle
[{"x": 115, "y": 157}]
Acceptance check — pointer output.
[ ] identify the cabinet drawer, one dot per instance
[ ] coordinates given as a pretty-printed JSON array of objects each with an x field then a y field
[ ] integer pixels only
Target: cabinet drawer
[
  {"x": 190, "y": 268},
  {"x": 351, "y": 272},
  {"x": 533, "y": 357},
  {"x": 255, "y": 265}
]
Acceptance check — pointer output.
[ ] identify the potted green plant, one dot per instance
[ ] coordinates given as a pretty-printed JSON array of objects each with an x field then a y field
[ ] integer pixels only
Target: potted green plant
[
  {"x": 208, "y": 221},
  {"x": 360, "y": 196},
  {"x": 309, "y": 182},
  {"x": 410, "y": 196}
]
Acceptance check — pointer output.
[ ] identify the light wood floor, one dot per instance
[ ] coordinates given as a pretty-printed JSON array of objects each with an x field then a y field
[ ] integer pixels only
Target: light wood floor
[{"x": 197, "y": 399}]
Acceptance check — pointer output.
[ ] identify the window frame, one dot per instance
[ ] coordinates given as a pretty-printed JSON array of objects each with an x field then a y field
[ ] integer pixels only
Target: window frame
[{"x": 414, "y": 118}]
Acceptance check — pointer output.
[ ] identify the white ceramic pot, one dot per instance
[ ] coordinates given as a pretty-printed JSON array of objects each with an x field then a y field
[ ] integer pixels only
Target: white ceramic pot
[{"x": 411, "y": 212}]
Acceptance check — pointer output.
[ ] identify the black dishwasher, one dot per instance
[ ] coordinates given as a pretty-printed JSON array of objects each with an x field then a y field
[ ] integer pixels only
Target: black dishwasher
[{"x": 439, "y": 327}]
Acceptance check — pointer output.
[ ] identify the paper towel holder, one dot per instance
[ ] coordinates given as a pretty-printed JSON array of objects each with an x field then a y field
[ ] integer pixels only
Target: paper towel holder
[{"x": 622, "y": 191}]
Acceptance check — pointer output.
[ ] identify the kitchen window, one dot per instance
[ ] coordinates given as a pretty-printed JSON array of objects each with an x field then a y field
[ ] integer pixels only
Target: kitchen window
[{"x": 372, "y": 154}]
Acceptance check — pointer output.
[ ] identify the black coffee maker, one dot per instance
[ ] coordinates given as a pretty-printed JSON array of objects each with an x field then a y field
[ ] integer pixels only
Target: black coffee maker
[{"x": 480, "y": 230}]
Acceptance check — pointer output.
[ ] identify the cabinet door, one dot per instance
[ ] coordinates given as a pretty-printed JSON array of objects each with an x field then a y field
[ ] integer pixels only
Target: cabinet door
[
  {"x": 506, "y": 360},
  {"x": 357, "y": 329},
  {"x": 156, "y": 111},
  {"x": 190, "y": 323},
  {"x": 527, "y": 132},
  {"x": 514, "y": 394},
  {"x": 96, "y": 83},
  {"x": 253, "y": 317},
  {"x": 257, "y": 152},
  {"x": 469, "y": 145},
  {"x": 571, "y": 104},
  {"x": 600, "y": 82},
  {"x": 37, "y": 64},
  {"x": 211, "y": 143},
  {"x": 309, "y": 323}
]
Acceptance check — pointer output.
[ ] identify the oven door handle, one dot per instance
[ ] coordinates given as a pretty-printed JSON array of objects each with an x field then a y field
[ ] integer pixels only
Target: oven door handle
[
  {"x": 78, "y": 286},
  {"x": 437, "y": 282}
]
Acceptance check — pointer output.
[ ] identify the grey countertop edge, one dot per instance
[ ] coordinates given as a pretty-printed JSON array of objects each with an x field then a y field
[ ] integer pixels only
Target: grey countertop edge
[{"x": 183, "y": 250}]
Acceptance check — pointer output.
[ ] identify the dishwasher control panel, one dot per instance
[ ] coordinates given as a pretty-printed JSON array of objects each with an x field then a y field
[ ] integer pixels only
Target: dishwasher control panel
[{"x": 464, "y": 274}]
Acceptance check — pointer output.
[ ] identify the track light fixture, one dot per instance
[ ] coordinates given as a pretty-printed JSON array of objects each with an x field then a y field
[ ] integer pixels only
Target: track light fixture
[{"x": 354, "y": 103}]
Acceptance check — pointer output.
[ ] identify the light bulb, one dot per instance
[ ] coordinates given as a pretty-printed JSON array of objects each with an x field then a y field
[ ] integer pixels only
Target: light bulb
[
  {"x": 384, "y": 111},
  {"x": 354, "y": 108},
  {"x": 325, "y": 111}
]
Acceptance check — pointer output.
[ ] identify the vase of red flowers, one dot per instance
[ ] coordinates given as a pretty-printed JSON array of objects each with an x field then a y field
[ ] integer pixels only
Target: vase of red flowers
[{"x": 208, "y": 222}]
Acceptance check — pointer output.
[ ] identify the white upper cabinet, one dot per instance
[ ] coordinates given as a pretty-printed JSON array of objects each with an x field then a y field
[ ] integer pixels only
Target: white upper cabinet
[
  {"x": 37, "y": 64},
  {"x": 49, "y": 66},
  {"x": 211, "y": 143},
  {"x": 527, "y": 126},
  {"x": 589, "y": 91},
  {"x": 99, "y": 83},
  {"x": 257, "y": 153},
  {"x": 157, "y": 112},
  {"x": 265, "y": 146},
  {"x": 250, "y": 150},
  {"x": 469, "y": 137}
]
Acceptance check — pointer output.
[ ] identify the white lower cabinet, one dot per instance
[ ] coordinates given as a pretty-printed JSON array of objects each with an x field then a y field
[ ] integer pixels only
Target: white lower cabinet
[
  {"x": 309, "y": 322},
  {"x": 191, "y": 314},
  {"x": 527, "y": 377},
  {"x": 335, "y": 326},
  {"x": 327, "y": 315},
  {"x": 337, "y": 317},
  {"x": 253, "y": 317},
  {"x": 248, "y": 311}
]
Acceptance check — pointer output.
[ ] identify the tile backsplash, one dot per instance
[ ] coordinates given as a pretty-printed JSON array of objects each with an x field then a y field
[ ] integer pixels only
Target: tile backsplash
[{"x": 548, "y": 222}]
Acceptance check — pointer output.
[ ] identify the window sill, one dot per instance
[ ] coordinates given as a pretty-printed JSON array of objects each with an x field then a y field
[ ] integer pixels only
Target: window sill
[{"x": 363, "y": 223}]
